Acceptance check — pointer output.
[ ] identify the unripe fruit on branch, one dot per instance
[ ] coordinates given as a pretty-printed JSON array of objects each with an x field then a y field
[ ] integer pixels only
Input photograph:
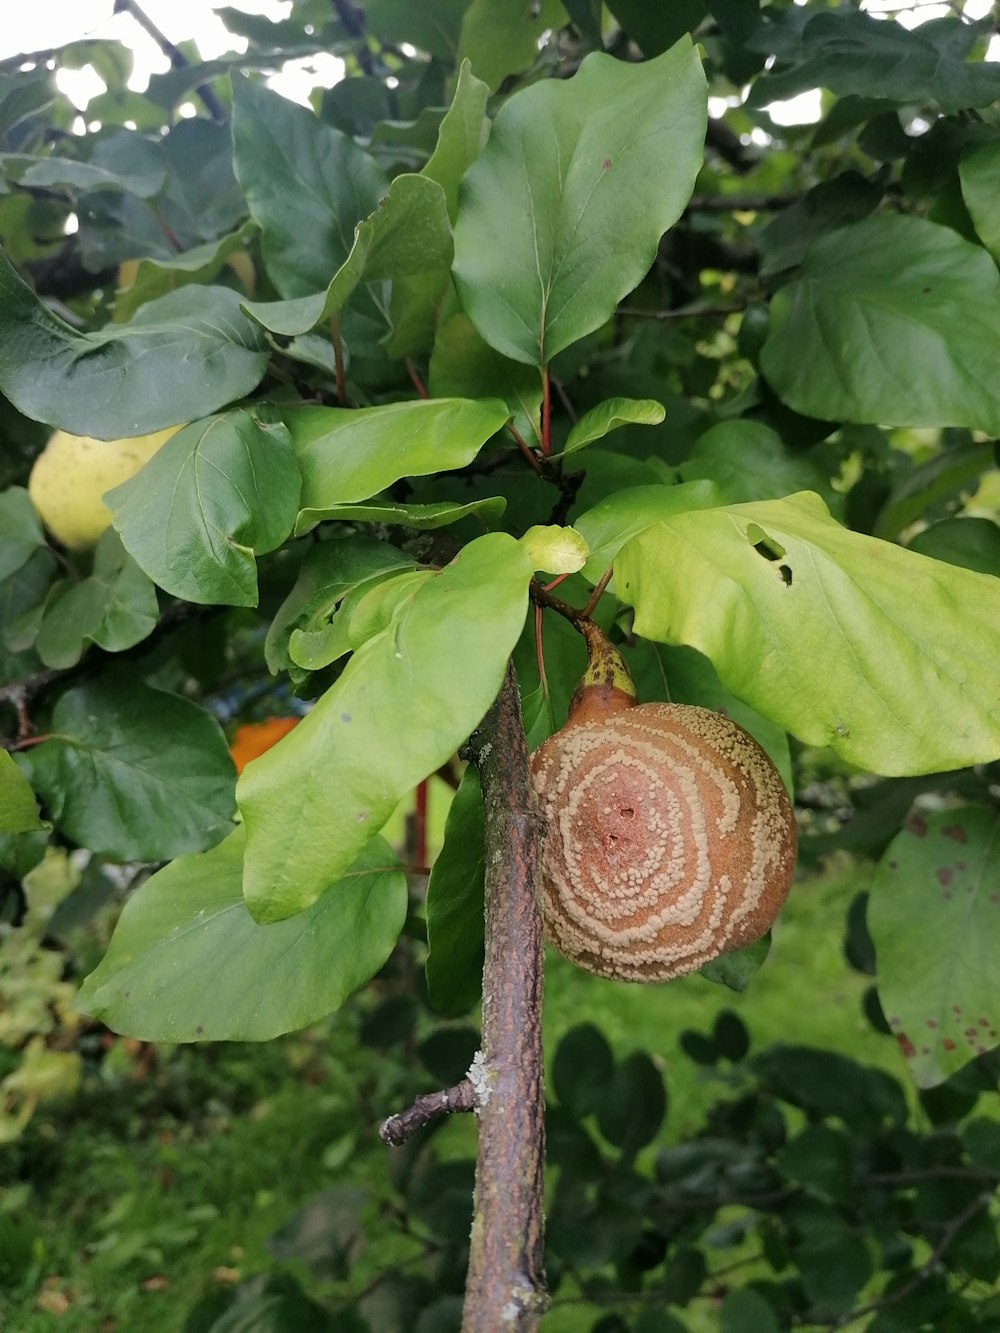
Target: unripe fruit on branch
[
  {"x": 670, "y": 838},
  {"x": 71, "y": 474}
]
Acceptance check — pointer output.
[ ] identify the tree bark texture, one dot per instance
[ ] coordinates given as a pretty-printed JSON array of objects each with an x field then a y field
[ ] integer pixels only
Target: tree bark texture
[{"x": 505, "y": 1289}]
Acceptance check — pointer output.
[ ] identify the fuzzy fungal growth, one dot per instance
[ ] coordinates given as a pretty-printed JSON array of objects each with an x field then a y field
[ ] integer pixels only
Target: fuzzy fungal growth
[{"x": 670, "y": 838}]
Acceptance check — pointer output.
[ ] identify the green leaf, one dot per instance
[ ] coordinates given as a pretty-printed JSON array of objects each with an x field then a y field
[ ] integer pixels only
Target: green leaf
[
  {"x": 608, "y": 416},
  {"x": 463, "y": 365},
  {"x": 330, "y": 571},
  {"x": 561, "y": 158},
  {"x": 366, "y": 611},
  {"x": 403, "y": 705},
  {"x": 190, "y": 922},
  {"x": 871, "y": 302},
  {"x": 657, "y": 27},
  {"x": 767, "y": 591},
  {"x": 615, "y": 521},
  {"x": 735, "y": 969},
  {"x": 18, "y": 810},
  {"x": 555, "y": 549},
  {"x": 434, "y": 28},
  {"x": 501, "y": 37},
  {"x": 934, "y": 915},
  {"x": 834, "y": 203},
  {"x": 973, "y": 543},
  {"x": 407, "y": 236},
  {"x": 348, "y": 455},
  {"x": 306, "y": 185},
  {"x": 115, "y": 608},
  {"x": 202, "y": 263},
  {"x": 749, "y": 461},
  {"x": 20, "y": 530},
  {"x": 582, "y": 1069},
  {"x": 954, "y": 468},
  {"x": 182, "y": 356},
  {"x": 855, "y": 54},
  {"x": 634, "y": 1104},
  {"x": 215, "y": 495},
  {"x": 454, "y": 965},
  {"x": 46, "y": 173},
  {"x": 743, "y": 1309},
  {"x": 420, "y": 517},
  {"x": 979, "y": 171},
  {"x": 112, "y": 784},
  {"x": 462, "y": 134}
]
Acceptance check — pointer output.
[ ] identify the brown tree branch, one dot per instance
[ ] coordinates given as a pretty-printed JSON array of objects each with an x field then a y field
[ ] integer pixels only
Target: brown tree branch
[
  {"x": 429, "y": 1106},
  {"x": 505, "y": 1285},
  {"x": 176, "y": 57}
]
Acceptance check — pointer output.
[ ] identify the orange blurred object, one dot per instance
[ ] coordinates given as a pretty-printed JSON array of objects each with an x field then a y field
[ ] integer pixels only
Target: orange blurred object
[{"x": 254, "y": 738}]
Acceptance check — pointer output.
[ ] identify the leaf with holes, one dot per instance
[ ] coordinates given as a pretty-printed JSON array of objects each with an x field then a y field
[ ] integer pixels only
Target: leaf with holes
[{"x": 768, "y": 590}]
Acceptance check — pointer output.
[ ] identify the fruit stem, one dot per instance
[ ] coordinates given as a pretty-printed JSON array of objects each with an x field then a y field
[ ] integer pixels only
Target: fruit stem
[{"x": 606, "y": 686}]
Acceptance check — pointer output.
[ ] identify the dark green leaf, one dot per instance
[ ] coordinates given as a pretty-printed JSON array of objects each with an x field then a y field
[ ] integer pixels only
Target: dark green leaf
[
  {"x": 657, "y": 27},
  {"x": 745, "y": 1309},
  {"x": 748, "y": 461},
  {"x": 634, "y": 1104},
  {"x": 730, "y": 1035},
  {"x": 582, "y": 1070},
  {"x": 350, "y": 455},
  {"x": 934, "y": 916},
  {"x": 407, "y": 236},
  {"x": 18, "y": 811},
  {"x": 858, "y": 54},
  {"x": 306, "y": 185},
  {"x": 215, "y": 495},
  {"x": 190, "y": 921},
  {"x": 768, "y": 590},
  {"x": 979, "y": 170},
  {"x": 455, "y": 905},
  {"x": 820, "y": 1158},
  {"x": 115, "y": 608},
  {"x": 973, "y": 543},
  {"x": 111, "y": 783},
  {"x": 735, "y": 969},
  {"x": 825, "y": 1083},
  {"x": 899, "y": 292},
  {"x": 401, "y": 708},
  {"x": 182, "y": 356},
  {"x": 463, "y": 365},
  {"x": 202, "y": 263},
  {"x": 447, "y": 1053},
  {"x": 830, "y": 204},
  {"x": 20, "y": 530},
  {"x": 561, "y": 157},
  {"x": 955, "y": 468}
]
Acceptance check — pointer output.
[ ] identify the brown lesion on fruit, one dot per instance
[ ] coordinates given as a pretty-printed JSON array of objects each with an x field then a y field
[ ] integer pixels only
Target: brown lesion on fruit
[{"x": 670, "y": 837}]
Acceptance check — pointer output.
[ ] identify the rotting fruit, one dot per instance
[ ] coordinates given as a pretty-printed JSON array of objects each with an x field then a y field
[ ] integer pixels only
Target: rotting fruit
[{"x": 670, "y": 838}]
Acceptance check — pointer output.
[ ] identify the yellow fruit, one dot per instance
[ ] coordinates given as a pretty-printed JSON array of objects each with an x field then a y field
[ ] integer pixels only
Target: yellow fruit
[{"x": 72, "y": 473}]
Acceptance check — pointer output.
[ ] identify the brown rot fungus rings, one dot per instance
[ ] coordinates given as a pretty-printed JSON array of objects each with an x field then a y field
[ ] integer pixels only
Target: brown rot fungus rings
[{"x": 670, "y": 838}]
